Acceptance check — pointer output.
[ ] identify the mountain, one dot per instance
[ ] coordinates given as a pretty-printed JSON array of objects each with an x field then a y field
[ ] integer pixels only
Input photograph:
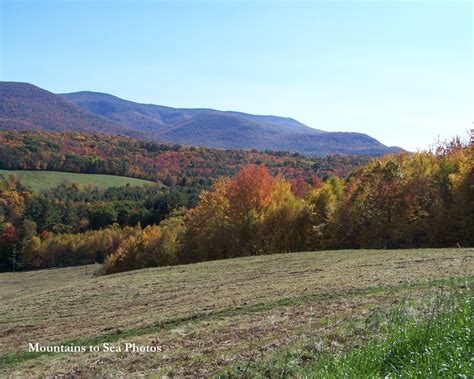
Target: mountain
[
  {"x": 226, "y": 129},
  {"x": 158, "y": 118},
  {"x": 26, "y": 107}
]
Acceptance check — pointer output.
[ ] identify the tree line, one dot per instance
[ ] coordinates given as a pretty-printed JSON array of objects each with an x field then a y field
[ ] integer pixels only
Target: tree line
[{"x": 401, "y": 201}]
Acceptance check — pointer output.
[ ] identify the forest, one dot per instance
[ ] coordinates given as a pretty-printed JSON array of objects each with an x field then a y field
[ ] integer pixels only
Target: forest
[
  {"x": 406, "y": 200},
  {"x": 172, "y": 165}
]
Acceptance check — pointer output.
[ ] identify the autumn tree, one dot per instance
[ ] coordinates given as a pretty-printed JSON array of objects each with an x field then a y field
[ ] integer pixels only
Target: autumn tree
[
  {"x": 285, "y": 225},
  {"x": 208, "y": 232},
  {"x": 248, "y": 195}
]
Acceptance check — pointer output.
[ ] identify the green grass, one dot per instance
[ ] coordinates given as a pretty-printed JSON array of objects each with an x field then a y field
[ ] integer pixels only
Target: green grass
[
  {"x": 211, "y": 315},
  {"x": 432, "y": 338},
  {"x": 438, "y": 346},
  {"x": 43, "y": 180}
]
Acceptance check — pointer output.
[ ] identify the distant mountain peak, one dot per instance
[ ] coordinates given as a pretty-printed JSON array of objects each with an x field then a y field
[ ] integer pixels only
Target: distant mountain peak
[{"x": 24, "y": 106}]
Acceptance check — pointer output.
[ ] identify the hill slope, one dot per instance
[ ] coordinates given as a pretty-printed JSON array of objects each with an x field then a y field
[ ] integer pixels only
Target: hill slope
[
  {"x": 210, "y": 316},
  {"x": 29, "y": 108}
]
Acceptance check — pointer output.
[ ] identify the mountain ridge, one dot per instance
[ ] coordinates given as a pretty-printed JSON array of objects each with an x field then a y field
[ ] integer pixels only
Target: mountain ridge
[
  {"x": 24, "y": 106},
  {"x": 93, "y": 100}
]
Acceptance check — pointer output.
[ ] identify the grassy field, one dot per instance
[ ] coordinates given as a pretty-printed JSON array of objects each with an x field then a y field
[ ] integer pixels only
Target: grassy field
[
  {"x": 42, "y": 180},
  {"x": 224, "y": 318}
]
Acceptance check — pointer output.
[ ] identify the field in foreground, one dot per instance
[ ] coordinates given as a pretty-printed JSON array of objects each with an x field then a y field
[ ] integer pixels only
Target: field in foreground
[
  {"x": 43, "y": 180},
  {"x": 212, "y": 318}
]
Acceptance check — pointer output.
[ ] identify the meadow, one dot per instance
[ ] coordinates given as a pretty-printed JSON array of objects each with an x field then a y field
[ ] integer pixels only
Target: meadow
[
  {"x": 252, "y": 316},
  {"x": 44, "y": 180}
]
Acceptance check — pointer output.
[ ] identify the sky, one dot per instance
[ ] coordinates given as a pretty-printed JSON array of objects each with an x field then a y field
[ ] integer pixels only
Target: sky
[{"x": 400, "y": 71}]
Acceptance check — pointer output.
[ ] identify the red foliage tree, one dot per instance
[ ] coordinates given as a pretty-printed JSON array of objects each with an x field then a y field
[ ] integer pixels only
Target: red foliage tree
[{"x": 250, "y": 189}]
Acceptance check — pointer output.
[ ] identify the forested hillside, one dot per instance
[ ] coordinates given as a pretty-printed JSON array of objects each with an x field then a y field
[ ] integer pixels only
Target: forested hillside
[
  {"x": 401, "y": 201},
  {"x": 27, "y": 107},
  {"x": 169, "y": 164}
]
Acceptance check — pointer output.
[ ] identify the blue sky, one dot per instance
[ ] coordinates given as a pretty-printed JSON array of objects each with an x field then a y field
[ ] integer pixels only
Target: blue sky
[{"x": 399, "y": 71}]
